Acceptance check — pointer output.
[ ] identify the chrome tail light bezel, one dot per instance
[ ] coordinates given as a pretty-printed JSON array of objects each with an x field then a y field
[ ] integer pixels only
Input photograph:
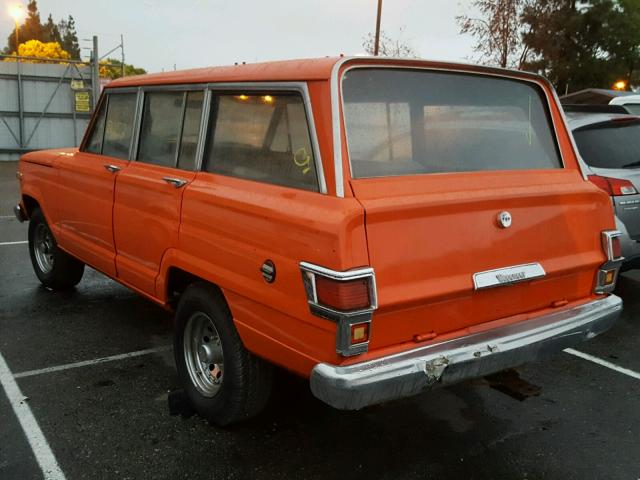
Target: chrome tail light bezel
[
  {"x": 344, "y": 319},
  {"x": 613, "y": 263}
]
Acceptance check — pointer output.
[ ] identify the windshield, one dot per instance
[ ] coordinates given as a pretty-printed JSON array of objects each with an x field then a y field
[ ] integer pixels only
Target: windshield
[
  {"x": 610, "y": 145},
  {"x": 403, "y": 122}
]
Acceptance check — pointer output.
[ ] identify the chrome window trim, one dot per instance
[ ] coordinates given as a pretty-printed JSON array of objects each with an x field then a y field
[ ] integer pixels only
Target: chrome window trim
[
  {"x": 337, "y": 103},
  {"x": 137, "y": 123},
  {"x": 204, "y": 123},
  {"x": 209, "y": 88}
]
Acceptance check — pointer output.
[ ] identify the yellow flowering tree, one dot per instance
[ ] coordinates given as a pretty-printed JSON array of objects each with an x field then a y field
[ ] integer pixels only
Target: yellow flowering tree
[{"x": 38, "y": 49}]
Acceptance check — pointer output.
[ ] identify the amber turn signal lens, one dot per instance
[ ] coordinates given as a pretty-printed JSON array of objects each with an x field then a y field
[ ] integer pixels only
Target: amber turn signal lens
[
  {"x": 609, "y": 277},
  {"x": 359, "y": 333},
  {"x": 341, "y": 295}
]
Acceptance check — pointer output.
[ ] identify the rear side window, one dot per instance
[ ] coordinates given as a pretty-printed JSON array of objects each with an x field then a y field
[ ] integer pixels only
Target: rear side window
[
  {"x": 263, "y": 138},
  {"x": 94, "y": 143},
  {"x": 404, "y": 122},
  {"x": 118, "y": 129},
  {"x": 610, "y": 145},
  {"x": 170, "y": 128}
]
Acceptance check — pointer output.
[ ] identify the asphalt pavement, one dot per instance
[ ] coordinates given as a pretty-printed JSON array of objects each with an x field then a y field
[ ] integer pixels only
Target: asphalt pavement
[{"x": 94, "y": 367}]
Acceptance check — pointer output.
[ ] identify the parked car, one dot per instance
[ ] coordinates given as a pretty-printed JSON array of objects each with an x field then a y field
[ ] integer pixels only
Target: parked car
[
  {"x": 609, "y": 144},
  {"x": 379, "y": 226},
  {"x": 631, "y": 103}
]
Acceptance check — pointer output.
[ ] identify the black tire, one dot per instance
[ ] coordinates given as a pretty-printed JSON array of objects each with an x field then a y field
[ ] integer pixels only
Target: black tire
[
  {"x": 246, "y": 380},
  {"x": 61, "y": 271}
]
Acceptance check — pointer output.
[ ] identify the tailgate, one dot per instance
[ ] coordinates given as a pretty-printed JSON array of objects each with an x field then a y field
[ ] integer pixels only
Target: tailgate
[{"x": 429, "y": 234}]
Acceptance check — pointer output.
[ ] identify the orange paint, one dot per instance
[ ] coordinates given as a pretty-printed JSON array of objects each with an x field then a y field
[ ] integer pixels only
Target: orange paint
[{"x": 424, "y": 235}]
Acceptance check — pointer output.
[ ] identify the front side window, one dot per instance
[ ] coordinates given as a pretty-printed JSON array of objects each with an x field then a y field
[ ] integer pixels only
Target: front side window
[
  {"x": 406, "y": 122},
  {"x": 118, "y": 130},
  {"x": 263, "y": 138}
]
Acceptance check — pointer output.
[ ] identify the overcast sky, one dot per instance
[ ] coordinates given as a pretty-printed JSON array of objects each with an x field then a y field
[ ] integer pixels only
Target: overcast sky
[{"x": 194, "y": 33}]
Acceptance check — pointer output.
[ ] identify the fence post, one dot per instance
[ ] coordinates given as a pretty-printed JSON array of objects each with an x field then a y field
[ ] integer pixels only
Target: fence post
[
  {"x": 95, "y": 72},
  {"x": 20, "y": 104}
]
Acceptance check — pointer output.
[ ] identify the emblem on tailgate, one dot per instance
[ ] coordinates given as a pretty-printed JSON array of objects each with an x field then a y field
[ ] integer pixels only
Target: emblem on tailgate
[
  {"x": 507, "y": 275},
  {"x": 504, "y": 219}
]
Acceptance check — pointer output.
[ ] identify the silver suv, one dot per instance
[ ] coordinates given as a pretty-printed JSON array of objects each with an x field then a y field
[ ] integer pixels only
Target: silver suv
[{"x": 609, "y": 143}]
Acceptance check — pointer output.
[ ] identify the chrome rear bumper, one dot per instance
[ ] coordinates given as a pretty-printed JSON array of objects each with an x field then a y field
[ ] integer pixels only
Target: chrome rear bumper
[{"x": 408, "y": 373}]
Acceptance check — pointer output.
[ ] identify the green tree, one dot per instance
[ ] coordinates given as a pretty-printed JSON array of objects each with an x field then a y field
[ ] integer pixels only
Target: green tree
[
  {"x": 69, "y": 37},
  {"x": 496, "y": 26},
  {"x": 51, "y": 31},
  {"x": 583, "y": 43}
]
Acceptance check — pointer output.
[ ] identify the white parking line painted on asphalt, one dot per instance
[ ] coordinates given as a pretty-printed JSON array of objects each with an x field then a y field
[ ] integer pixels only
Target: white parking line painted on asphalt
[
  {"x": 14, "y": 243},
  {"x": 604, "y": 363},
  {"x": 41, "y": 449},
  {"x": 95, "y": 361}
]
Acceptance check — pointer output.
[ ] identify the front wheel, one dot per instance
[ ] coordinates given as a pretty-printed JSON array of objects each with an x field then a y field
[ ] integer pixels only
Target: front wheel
[
  {"x": 225, "y": 382},
  {"x": 55, "y": 268}
]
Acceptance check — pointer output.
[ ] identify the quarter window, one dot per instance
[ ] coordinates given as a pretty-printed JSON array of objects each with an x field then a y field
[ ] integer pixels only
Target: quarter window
[
  {"x": 263, "y": 138},
  {"x": 119, "y": 125}
]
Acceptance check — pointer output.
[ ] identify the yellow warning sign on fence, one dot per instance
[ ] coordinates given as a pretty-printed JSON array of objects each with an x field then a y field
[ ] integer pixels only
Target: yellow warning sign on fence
[{"x": 83, "y": 102}]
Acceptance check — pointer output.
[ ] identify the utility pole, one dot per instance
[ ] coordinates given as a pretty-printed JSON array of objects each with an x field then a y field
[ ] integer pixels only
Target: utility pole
[
  {"x": 376, "y": 47},
  {"x": 95, "y": 72},
  {"x": 122, "y": 51}
]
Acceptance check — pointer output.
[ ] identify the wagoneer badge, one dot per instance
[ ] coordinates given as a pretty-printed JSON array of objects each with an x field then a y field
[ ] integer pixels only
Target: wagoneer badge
[
  {"x": 504, "y": 219},
  {"x": 507, "y": 275}
]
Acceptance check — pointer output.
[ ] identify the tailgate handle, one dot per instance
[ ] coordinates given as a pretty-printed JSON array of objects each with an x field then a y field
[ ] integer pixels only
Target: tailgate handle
[{"x": 176, "y": 182}]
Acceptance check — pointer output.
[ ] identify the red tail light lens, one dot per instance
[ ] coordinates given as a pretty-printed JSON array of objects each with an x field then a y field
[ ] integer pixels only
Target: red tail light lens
[
  {"x": 613, "y": 186},
  {"x": 341, "y": 295}
]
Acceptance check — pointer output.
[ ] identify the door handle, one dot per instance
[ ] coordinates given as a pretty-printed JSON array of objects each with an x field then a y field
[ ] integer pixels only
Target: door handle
[
  {"x": 176, "y": 182},
  {"x": 112, "y": 168}
]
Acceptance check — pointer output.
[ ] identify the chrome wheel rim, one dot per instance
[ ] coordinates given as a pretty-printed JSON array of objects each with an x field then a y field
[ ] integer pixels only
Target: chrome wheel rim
[
  {"x": 203, "y": 354},
  {"x": 43, "y": 248}
]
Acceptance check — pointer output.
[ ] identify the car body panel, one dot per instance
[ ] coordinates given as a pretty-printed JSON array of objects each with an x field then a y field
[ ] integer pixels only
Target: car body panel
[{"x": 425, "y": 236}]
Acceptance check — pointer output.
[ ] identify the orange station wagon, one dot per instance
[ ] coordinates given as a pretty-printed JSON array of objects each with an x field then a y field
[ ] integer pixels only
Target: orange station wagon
[{"x": 379, "y": 226}]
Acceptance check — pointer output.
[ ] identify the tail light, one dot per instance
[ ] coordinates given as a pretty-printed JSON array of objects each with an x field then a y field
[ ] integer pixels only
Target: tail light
[
  {"x": 615, "y": 187},
  {"x": 347, "y": 298},
  {"x": 608, "y": 271}
]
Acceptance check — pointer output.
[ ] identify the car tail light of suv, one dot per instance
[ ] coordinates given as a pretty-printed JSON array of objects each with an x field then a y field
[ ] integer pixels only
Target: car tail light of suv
[
  {"x": 613, "y": 186},
  {"x": 347, "y": 298},
  {"x": 608, "y": 272}
]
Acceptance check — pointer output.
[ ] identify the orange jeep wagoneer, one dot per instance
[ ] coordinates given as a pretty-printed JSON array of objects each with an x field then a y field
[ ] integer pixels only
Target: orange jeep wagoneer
[{"x": 379, "y": 226}]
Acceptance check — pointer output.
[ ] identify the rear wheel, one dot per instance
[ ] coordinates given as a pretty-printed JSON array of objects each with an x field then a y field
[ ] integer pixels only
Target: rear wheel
[
  {"x": 53, "y": 267},
  {"x": 224, "y": 381}
]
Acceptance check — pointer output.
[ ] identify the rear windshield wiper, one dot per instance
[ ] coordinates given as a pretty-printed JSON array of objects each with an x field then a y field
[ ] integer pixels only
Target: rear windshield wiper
[{"x": 632, "y": 165}]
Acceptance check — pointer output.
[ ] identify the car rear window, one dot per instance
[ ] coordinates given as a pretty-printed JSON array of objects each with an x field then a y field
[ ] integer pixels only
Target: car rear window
[
  {"x": 404, "y": 122},
  {"x": 610, "y": 145}
]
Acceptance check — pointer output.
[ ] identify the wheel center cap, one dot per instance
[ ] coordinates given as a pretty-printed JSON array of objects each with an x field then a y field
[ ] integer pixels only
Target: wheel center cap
[{"x": 205, "y": 354}]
